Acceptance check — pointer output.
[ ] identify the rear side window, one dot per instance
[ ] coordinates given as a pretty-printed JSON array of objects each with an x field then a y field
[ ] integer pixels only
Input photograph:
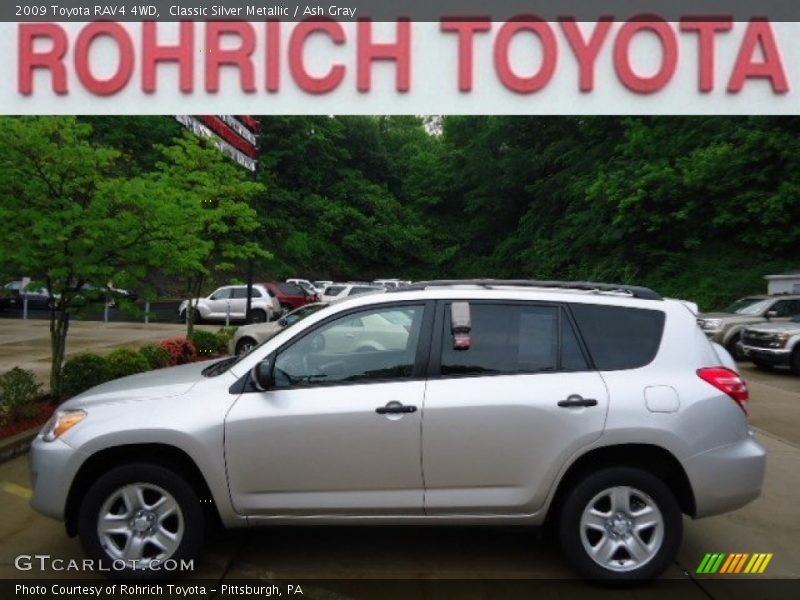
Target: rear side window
[
  {"x": 333, "y": 290},
  {"x": 291, "y": 289},
  {"x": 512, "y": 338},
  {"x": 618, "y": 337}
]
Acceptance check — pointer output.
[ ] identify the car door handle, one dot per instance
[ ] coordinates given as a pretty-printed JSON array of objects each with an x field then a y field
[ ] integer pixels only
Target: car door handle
[
  {"x": 395, "y": 408},
  {"x": 576, "y": 401}
]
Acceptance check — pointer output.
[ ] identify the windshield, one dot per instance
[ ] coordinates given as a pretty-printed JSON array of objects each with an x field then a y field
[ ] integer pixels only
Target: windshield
[
  {"x": 285, "y": 322},
  {"x": 742, "y": 306},
  {"x": 753, "y": 308}
]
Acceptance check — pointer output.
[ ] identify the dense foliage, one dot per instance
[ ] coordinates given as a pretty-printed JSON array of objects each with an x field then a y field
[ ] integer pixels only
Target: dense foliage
[{"x": 697, "y": 207}]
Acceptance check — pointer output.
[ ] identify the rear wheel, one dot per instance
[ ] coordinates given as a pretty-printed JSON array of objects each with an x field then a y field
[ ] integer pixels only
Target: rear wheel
[
  {"x": 137, "y": 516},
  {"x": 733, "y": 348},
  {"x": 620, "y": 524}
]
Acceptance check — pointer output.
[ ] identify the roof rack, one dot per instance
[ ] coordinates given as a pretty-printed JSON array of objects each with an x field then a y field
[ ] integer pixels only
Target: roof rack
[{"x": 634, "y": 291}]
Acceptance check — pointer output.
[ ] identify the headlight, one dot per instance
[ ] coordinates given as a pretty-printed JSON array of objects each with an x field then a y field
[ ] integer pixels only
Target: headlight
[
  {"x": 61, "y": 422},
  {"x": 711, "y": 323},
  {"x": 782, "y": 339}
]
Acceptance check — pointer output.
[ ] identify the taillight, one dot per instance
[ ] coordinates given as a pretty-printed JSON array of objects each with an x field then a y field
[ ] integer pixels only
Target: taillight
[{"x": 727, "y": 381}]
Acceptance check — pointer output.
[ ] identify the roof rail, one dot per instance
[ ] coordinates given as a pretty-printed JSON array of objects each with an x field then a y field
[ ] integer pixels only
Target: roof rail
[{"x": 634, "y": 291}]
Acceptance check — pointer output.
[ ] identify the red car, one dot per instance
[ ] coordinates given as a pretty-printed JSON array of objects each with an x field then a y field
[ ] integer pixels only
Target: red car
[{"x": 290, "y": 295}]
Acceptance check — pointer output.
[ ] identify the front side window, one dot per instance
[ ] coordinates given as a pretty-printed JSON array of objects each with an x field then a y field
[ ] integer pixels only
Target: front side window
[
  {"x": 333, "y": 290},
  {"x": 221, "y": 294},
  {"x": 511, "y": 338},
  {"x": 786, "y": 308},
  {"x": 358, "y": 347}
]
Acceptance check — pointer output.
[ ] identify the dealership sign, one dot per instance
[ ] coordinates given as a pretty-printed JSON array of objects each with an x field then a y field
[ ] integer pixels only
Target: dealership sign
[{"x": 644, "y": 64}]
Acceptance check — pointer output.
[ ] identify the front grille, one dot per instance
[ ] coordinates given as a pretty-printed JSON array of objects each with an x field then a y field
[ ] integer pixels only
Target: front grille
[{"x": 759, "y": 340}]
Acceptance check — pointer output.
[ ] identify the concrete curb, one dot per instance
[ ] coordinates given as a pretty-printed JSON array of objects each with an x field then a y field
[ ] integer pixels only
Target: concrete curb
[{"x": 18, "y": 444}]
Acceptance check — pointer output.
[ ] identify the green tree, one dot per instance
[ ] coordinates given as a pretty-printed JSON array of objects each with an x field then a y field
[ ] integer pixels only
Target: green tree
[{"x": 73, "y": 219}]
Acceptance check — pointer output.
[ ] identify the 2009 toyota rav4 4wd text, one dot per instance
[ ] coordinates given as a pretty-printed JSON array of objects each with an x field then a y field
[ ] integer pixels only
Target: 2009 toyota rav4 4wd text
[{"x": 602, "y": 410}]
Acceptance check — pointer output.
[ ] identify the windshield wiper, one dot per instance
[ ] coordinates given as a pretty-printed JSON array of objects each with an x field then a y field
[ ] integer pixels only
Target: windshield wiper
[{"x": 219, "y": 367}]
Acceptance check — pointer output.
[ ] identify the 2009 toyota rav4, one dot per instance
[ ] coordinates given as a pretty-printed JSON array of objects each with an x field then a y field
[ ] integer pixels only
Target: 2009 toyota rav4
[{"x": 600, "y": 409}]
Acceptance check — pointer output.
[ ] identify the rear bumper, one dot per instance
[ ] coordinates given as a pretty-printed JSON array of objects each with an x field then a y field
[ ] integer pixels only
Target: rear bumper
[
  {"x": 768, "y": 355},
  {"x": 728, "y": 477}
]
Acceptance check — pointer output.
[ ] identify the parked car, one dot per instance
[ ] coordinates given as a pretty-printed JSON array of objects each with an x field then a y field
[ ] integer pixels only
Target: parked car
[
  {"x": 309, "y": 287},
  {"x": 390, "y": 284},
  {"x": 290, "y": 295},
  {"x": 322, "y": 284},
  {"x": 339, "y": 291},
  {"x": 12, "y": 296},
  {"x": 769, "y": 345},
  {"x": 249, "y": 336},
  {"x": 231, "y": 300},
  {"x": 726, "y": 326},
  {"x": 599, "y": 409}
]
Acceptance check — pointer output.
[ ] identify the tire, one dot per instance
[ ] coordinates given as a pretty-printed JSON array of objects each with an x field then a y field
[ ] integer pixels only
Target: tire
[
  {"x": 733, "y": 348},
  {"x": 762, "y": 364},
  {"x": 257, "y": 316},
  {"x": 593, "y": 520},
  {"x": 794, "y": 361},
  {"x": 115, "y": 494},
  {"x": 245, "y": 345},
  {"x": 196, "y": 318}
]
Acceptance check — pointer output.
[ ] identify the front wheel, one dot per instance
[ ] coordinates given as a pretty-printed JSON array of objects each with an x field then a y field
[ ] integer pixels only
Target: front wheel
[
  {"x": 733, "y": 348},
  {"x": 794, "y": 361},
  {"x": 135, "y": 517},
  {"x": 620, "y": 524}
]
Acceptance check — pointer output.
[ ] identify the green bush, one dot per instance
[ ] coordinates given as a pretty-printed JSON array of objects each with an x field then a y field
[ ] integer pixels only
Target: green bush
[
  {"x": 19, "y": 392},
  {"x": 124, "y": 362},
  {"x": 207, "y": 343},
  {"x": 225, "y": 335},
  {"x": 83, "y": 372},
  {"x": 156, "y": 356}
]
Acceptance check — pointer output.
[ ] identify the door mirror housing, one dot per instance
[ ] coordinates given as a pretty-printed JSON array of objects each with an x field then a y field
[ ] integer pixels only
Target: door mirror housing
[
  {"x": 771, "y": 314},
  {"x": 261, "y": 375}
]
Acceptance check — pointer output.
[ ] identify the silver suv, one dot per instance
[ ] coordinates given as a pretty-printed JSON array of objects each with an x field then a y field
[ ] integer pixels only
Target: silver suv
[
  {"x": 726, "y": 326},
  {"x": 601, "y": 410},
  {"x": 230, "y": 302},
  {"x": 771, "y": 344}
]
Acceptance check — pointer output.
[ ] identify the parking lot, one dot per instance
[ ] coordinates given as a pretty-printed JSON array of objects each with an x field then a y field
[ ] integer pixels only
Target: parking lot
[{"x": 499, "y": 562}]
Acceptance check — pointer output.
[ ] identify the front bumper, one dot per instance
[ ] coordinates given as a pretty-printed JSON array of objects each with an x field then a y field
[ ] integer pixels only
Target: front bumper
[
  {"x": 773, "y": 356},
  {"x": 728, "y": 477},
  {"x": 53, "y": 467}
]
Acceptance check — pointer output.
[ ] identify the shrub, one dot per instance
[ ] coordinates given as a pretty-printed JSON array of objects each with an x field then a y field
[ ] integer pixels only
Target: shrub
[
  {"x": 207, "y": 343},
  {"x": 19, "y": 392},
  {"x": 181, "y": 351},
  {"x": 83, "y": 372},
  {"x": 124, "y": 362},
  {"x": 156, "y": 356},
  {"x": 225, "y": 335}
]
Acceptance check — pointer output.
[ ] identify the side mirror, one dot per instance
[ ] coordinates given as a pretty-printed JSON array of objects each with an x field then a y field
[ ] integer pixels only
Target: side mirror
[
  {"x": 283, "y": 322},
  {"x": 771, "y": 314},
  {"x": 261, "y": 375}
]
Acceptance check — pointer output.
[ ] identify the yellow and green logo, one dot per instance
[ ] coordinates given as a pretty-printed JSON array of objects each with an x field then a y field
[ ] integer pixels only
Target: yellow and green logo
[{"x": 737, "y": 562}]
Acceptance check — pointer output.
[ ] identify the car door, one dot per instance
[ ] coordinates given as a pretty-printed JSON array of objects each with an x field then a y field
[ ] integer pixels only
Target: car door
[
  {"x": 338, "y": 432},
  {"x": 239, "y": 301},
  {"x": 508, "y": 405},
  {"x": 218, "y": 302}
]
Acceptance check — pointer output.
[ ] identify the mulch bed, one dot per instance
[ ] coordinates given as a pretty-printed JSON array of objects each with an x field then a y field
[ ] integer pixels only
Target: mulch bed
[{"x": 46, "y": 409}]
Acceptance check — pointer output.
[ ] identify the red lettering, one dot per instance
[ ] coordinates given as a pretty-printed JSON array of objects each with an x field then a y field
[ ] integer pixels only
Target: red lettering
[
  {"x": 52, "y": 59},
  {"x": 466, "y": 32},
  {"x": 759, "y": 35},
  {"x": 153, "y": 53},
  {"x": 502, "y": 60},
  {"x": 586, "y": 52},
  {"x": 369, "y": 51},
  {"x": 669, "y": 59},
  {"x": 706, "y": 32},
  {"x": 239, "y": 57},
  {"x": 87, "y": 36},
  {"x": 306, "y": 81},
  {"x": 273, "y": 56}
]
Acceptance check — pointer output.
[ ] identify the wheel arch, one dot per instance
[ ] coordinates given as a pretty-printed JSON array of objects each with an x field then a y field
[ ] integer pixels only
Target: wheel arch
[
  {"x": 648, "y": 457},
  {"x": 163, "y": 455}
]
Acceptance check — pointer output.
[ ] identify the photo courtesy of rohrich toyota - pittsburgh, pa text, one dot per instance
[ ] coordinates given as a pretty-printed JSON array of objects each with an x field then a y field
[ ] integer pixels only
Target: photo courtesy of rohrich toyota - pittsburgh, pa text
[{"x": 418, "y": 300}]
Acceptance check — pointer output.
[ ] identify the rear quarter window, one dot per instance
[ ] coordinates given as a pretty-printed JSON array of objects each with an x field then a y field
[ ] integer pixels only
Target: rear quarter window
[{"x": 618, "y": 337}]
